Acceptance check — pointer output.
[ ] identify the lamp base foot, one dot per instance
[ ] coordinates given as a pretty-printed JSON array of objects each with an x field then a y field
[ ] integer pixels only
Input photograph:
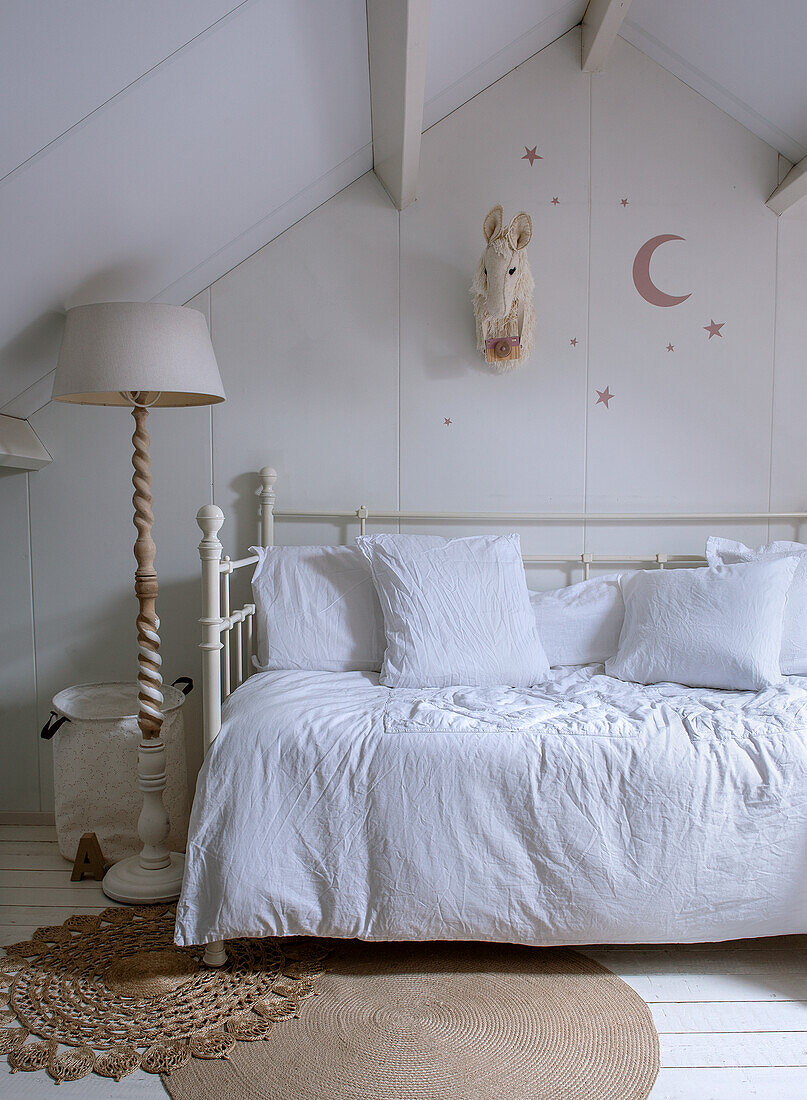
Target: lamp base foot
[{"x": 129, "y": 882}]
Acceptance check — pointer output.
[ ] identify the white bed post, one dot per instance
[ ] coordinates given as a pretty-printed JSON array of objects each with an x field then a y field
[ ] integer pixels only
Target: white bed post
[
  {"x": 210, "y": 518},
  {"x": 266, "y": 507}
]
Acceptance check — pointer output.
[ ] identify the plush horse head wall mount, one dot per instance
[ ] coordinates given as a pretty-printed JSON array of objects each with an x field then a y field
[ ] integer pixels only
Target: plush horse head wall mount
[{"x": 502, "y": 291}]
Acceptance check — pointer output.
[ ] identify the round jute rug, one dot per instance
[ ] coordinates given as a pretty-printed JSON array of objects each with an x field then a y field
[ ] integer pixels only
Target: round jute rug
[
  {"x": 111, "y": 993},
  {"x": 447, "y": 1022}
]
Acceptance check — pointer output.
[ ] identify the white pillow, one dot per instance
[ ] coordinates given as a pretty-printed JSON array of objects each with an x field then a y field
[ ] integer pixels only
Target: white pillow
[
  {"x": 580, "y": 624},
  {"x": 316, "y": 609},
  {"x": 455, "y": 614},
  {"x": 717, "y": 628},
  {"x": 793, "y": 657}
]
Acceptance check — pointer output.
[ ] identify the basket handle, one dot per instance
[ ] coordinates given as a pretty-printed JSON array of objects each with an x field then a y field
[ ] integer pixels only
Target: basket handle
[
  {"x": 51, "y": 727},
  {"x": 187, "y": 683}
]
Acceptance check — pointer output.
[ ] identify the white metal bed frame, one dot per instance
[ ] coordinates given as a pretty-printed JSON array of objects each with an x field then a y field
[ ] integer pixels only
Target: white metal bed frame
[{"x": 226, "y": 664}]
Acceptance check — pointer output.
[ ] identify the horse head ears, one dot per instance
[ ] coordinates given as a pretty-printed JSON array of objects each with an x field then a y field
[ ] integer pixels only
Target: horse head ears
[
  {"x": 519, "y": 233},
  {"x": 492, "y": 225}
]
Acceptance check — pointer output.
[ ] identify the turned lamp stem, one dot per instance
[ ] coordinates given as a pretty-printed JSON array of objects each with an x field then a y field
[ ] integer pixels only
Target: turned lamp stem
[
  {"x": 150, "y": 696},
  {"x": 153, "y": 824}
]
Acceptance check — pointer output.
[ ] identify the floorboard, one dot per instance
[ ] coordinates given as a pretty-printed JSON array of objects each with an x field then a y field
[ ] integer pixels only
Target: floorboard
[
  {"x": 48, "y": 914},
  {"x": 47, "y": 859},
  {"x": 72, "y": 893},
  {"x": 36, "y": 1086},
  {"x": 779, "y": 1083},
  {"x": 726, "y": 1049},
  {"x": 15, "y": 933},
  {"x": 31, "y": 850},
  {"x": 27, "y": 832},
  {"x": 738, "y": 1016},
  {"x": 52, "y": 879},
  {"x": 713, "y": 972},
  {"x": 732, "y": 1018}
]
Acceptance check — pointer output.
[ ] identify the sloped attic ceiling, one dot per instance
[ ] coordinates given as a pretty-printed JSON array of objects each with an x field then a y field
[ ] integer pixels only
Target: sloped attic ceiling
[
  {"x": 745, "y": 56},
  {"x": 146, "y": 148}
]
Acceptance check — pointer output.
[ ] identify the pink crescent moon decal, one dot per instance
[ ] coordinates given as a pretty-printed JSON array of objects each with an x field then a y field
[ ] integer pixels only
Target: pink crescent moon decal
[{"x": 641, "y": 274}]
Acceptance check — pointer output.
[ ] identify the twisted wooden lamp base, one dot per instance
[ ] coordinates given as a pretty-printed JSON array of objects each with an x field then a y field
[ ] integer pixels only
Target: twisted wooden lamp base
[{"x": 156, "y": 874}]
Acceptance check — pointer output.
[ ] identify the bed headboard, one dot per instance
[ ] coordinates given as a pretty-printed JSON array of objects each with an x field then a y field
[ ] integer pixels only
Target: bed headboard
[{"x": 227, "y": 635}]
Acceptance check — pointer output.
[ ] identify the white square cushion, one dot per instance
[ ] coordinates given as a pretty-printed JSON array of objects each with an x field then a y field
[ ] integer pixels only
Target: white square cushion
[
  {"x": 716, "y": 628},
  {"x": 316, "y": 609},
  {"x": 793, "y": 657},
  {"x": 580, "y": 624},
  {"x": 455, "y": 614}
]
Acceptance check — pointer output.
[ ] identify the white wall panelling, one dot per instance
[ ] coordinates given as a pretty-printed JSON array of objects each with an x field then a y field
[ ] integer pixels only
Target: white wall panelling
[
  {"x": 788, "y": 444},
  {"x": 306, "y": 335},
  {"x": 19, "y": 764},
  {"x": 691, "y": 426},
  {"x": 346, "y": 342},
  {"x": 516, "y": 441}
]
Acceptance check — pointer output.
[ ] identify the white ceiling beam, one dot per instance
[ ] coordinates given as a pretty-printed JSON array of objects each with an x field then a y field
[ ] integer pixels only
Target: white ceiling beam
[
  {"x": 601, "y": 25},
  {"x": 398, "y": 35},
  {"x": 791, "y": 190},
  {"x": 20, "y": 446}
]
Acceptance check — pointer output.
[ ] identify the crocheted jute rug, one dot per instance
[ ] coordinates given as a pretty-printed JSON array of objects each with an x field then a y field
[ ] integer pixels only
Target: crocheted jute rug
[
  {"x": 111, "y": 994},
  {"x": 446, "y": 1022}
]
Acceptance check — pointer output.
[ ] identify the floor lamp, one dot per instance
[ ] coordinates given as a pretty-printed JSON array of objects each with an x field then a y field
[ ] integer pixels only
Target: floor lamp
[{"x": 141, "y": 355}]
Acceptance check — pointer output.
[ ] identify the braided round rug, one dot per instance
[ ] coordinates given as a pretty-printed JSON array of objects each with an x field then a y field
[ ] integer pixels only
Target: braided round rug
[
  {"x": 447, "y": 1022},
  {"x": 111, "y": 994}
]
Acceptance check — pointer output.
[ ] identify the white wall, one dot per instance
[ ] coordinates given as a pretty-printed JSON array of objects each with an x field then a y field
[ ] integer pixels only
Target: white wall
[{"x": 345, "y": 342}]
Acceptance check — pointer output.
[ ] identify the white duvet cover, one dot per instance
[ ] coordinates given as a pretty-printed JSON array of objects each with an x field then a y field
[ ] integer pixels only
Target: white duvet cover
[{"x": 584, "y": 811}]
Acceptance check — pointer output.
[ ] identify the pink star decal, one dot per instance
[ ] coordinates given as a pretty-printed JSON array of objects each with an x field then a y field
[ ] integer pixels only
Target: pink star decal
[
  {"x": 573, "y": 341},
  {"x": 624, "y": 202},
  {"x": 671, "y": 347},
  {"x": 447, "y": 421},
  {"x": 555, "y": 200},
  {"x": 531, "y": 155},
  {"x": 604, "y": 396},
  {"x": 713, "y": 328}
]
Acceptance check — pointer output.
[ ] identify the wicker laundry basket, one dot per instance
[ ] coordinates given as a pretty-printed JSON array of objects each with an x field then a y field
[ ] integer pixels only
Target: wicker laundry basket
[{"x": 95, "y": 766}]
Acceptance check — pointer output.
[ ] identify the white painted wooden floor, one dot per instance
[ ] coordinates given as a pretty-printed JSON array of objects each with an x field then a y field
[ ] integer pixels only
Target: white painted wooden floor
[{"x": 732, "y": 1017}]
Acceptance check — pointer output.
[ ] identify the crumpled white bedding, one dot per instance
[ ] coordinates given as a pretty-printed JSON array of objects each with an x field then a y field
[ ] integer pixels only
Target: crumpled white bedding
[{"x": 586, "y": 810}]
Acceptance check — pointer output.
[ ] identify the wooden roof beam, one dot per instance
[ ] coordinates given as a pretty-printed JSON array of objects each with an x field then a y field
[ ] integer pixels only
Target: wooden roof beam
[
  {"x": 601, "y": 25},
  {"x": 397, "y": 35}
]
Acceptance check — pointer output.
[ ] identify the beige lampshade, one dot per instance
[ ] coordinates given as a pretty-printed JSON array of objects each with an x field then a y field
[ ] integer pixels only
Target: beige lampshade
[{"x": 111, "y": 348}]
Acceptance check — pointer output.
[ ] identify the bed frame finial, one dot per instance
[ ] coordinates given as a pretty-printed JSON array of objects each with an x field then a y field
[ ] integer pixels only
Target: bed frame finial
[
  {"x": 210, "y": 519},
  {"x": 266, "y": 493}
]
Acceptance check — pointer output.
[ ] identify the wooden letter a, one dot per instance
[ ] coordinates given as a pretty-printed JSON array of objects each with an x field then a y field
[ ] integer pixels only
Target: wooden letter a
[{"x": 89, "y": 859}]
